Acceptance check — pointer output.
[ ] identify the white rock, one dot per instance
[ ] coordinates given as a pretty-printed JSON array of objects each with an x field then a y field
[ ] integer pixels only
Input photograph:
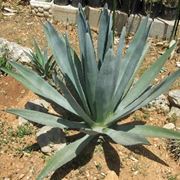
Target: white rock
[
  {"x": 22, "y": 121},
  {"x": 174, "y": 97},
  {"x": 14, "y": 51},
  {"x": 40, "y": 14},
  {"x": 46, "y": 14},
  {"x": 178, "y": 64},
  {"x": 174, "y": 111},
  {"x": 169, "y": 126},
  {"x": 40, "y": 9},
  {"x": 51, "y": 139},
  {"x": 160, "y": 102}
]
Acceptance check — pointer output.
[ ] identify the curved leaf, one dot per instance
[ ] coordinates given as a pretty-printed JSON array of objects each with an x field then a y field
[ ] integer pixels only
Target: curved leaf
[
  {"x": 65, "y": 155},
  {"x": 46, "y": 119},
  {"x": 125, "y": 138},
  {"x": 149, "y": 131},
  {"x": 145, "y": 98},
  {"x": 39, "y": 86},
  {"x": 148, "y": 76}
]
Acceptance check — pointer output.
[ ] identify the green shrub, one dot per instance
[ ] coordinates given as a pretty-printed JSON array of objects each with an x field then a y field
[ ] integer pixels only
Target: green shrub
[
  {"x": 4, "y": 59},
  {"x": 41, "y": 62},
  {"x": 104, "y": 87}
]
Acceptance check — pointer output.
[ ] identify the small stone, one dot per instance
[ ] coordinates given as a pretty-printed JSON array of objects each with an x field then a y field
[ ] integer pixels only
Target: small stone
[
  {"x": 40, "y": 9},
  {"x": 111, "y": 175},
  {"x": 46, "y": 8},
  {"x": 159, "y": 43},
  {"x": 50, "y": 139},
  {"x": 46, "y": 14},
  {"x": 169, "y": 126},
  {"x": 36, "y": 10},
  {"x": 50, "y": 11},
  {"x": 40, "y": 14},
  {"x": 174, "y": 97},
  {"x": 160, "y": 102},
  {"x": 178, "y": 64},
  {"x": 175, "y": 111},
  {"x": 33, "y": 11},
  {"x": 22, "y": 121}
]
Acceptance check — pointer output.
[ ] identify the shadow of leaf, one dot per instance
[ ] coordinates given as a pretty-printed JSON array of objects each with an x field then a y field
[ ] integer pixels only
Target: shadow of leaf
[
  {"x": 141, "y": 150},
  {"x": 112, "y": 158}
]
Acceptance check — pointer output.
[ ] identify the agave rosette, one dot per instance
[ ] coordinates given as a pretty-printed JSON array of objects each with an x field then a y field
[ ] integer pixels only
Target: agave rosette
[{"x": 102, "y": 90}]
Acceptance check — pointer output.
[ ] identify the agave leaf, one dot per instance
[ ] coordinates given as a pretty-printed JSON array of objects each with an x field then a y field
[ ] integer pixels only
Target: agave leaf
[
  {"x": 125, "y": 138},
  {"x": 47, "y": 119},
  {"x": 149, "y": 131},
  {"x": 39, "y": 86},
  {"x": 76, "y": 77},
  {"x": 82, "y": 30},
  {"x": 148, "y": 76},
  {"x": 58, "y": 47},
  {"x": 110, "y": 34},
  {"x": 40, "y": 58},
  {"x": 121, "y": 44},
  {"x": 65, "y": 155},
  {"x": 102, "y": 37},
  {"x": 72, "y": 101},
  {"x": 90, "y": 70},
  {"x": 130, "y": 62},
  {"x": 60, "y": 50},
  {"x": 21, "y": 79},
  {"x": 105, "y": 85},
  {"x": 129, "y": 85},
  {"x": 145, "y": 98}
]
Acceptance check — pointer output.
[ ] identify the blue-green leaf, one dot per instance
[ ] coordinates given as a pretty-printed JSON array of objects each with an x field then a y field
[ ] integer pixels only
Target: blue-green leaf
[
  {"x": 125, "y": 138},
  {"x": 39, "y": 86},
  {"x": 102, "y": 36},
  {"x": 65, "y": 155},
  {"x": 47, "y": 119},
  {"x": 105, "y": 85},
  {"x": 149, "y": 131}
]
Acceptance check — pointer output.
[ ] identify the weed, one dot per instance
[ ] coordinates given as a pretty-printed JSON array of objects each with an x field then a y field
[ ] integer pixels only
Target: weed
[{"x": 24, "y": 130}]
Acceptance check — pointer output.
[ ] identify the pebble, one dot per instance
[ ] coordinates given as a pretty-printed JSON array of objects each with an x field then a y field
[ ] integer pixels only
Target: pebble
[
  {"x": 40, "y": 14},
  {"x": 174, "y": 97},
  {"x": 178, "y": 64},
  {"x": 169, "y": 126},
  {"x": 40, "y": 9},
  {"x": 46, "y": 14},
  {"x": 175, "y": 111}
]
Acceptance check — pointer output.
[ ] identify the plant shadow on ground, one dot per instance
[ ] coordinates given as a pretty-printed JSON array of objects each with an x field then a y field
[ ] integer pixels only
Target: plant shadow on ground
[
  {"x": 111, "y": 156},
  {"x": 141, "y": 150}
]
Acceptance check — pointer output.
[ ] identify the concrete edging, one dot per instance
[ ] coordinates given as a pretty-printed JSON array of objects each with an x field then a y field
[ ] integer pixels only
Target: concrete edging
[{"x": 68, "y": 14}]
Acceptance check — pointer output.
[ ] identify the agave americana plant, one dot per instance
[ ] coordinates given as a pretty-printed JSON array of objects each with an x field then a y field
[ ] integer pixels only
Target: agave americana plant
[
  {"x": 103, "y": 87},
  {"x": 42, "y": 63}
]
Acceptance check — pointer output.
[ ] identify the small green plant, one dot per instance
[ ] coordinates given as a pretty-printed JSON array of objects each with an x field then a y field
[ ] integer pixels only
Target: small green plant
[
  {"x": 4, "y": 60},
  {"x": 103, "y": 82},
  {"x": 42, "y": 63},
  {"x": 23, "y": 130},
  {"x": 174, "y": 148}
]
